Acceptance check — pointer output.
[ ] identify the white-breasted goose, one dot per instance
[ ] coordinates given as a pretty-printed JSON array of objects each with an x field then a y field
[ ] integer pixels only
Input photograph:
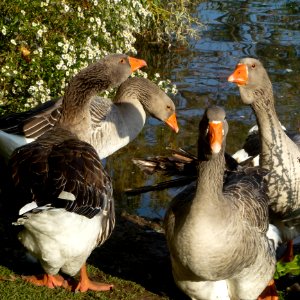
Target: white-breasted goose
[
  {"x": 279, "y": 153},
  {"x": 114, "y": 123},
  {"x": 215, "y": 230},
  {"x": 63, "y": 194}
]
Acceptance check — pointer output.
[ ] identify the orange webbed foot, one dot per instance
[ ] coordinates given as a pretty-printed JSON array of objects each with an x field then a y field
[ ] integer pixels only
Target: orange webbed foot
[
  {"x": 86, "y": 284},
  {"x": 269, "y": 293},
  {"x": 94, "y": 286},
  {"x": 50, "y": 281}
]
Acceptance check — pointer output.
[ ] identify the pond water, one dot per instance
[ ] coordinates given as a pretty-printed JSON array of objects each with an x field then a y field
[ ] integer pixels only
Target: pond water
[{"x": 268, "y": 30}]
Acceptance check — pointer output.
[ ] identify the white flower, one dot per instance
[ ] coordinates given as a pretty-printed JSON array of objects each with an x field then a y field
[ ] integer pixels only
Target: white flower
[
  {"x": 31, "y": 90},
  {"x": 4, "y": 30},
  {"x": 60, "y": 65},
  {"x": 44, "y": 3},
  {"x": 66, "y": 7},
  {"x": 98, "y": 21},
  {"x": 23, "y": 12},
  {"x": 39, "y": 33},
  {"x": 174, "y": 90},
  {"x": 13, "y": 42},
  {"x": 65, "y": 47}
]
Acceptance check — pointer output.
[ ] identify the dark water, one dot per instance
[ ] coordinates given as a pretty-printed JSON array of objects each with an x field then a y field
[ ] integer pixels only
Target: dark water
[{"x": 268, "y": 30}]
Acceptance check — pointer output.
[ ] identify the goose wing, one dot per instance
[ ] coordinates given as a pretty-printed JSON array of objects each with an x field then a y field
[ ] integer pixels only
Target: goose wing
[
  {"x": 32, "y": 123},
  {"x": 248, "y": 189},
  {"x": 66, "y": 175}
]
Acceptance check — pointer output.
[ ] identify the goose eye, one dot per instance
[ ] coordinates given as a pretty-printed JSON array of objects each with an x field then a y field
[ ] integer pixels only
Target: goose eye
[
  {"x": 253, "y": 66},
  {"x": 168, "y": 107},
  {"x": 122, "y": 61}
]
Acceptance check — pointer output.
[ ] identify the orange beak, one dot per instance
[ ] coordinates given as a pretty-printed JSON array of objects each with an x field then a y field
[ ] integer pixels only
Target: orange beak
[
  {"x": 172, "y": 122},
  {"x": 136, "y": 63},
  {"x": 215, "y": 131},
  {"x": 240, "y": 75}
]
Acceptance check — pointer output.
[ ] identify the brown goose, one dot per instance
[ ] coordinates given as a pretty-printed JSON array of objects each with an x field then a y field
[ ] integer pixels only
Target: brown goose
[
  {"x": 216, "y": 232},
  {"x": 114, "y": 123},
  {"x": 279, "y": 153},
  {"x": 63, "y": 194}
]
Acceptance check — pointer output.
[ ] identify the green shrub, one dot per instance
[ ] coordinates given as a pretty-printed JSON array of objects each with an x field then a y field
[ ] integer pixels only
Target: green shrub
[{"x": 44, "y": 43}]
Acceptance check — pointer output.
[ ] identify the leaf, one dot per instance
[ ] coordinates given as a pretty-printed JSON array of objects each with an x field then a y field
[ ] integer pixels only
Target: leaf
[{"x": 292, "y": 267}]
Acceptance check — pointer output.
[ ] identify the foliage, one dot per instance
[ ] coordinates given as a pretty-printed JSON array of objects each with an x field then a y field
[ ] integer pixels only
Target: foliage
[
  {"x": 171, "y": 21},
  {"x": 44, "y": 43},
  {"x": 284, "y": 268}
]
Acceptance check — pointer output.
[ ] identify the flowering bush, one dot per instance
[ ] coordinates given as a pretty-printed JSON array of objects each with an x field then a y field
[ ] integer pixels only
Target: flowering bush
[{"x": 44, "y": 43}]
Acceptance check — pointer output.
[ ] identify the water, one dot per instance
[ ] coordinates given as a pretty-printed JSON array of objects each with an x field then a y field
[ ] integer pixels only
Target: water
[{"x": 268, "y": 30}]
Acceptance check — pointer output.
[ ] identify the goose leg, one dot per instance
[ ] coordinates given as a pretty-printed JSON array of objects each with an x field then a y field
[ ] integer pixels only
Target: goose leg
[
  {"x": 269, "y": 293},
  {"x": 50, "y": 281},
  {"x": 85, "y": 283},
  {"x": 288, "y": 253}
]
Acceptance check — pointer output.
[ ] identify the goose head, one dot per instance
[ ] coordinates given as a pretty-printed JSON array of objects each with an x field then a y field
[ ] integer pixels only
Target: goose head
[
  {"x": 213, "y": 129},
  {"x": 106, "y": 73},
  {"x": 154, "y": 101},
  {"x": 251, "y": 78}
]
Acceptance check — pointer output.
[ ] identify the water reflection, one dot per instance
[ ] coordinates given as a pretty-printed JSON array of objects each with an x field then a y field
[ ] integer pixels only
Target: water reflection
[{"x": 233, "y": 29}]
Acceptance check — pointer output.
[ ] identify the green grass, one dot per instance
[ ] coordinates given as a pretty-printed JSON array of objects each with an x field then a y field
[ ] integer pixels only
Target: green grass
[{"x": 13, "y": 287}]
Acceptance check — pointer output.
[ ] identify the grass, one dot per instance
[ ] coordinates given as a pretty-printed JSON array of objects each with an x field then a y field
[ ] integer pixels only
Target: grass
[{"x": 13, "y": 287}]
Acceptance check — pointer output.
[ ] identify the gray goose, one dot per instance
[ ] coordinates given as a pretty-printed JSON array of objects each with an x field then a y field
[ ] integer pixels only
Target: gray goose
[
  {"x": 249, "y": 154},
  {"x": 279, "y": 153},
  {"x": 216, "y": 232},
  {"x": 114, "y": 123},
  {"x": 62, "y": 193}
]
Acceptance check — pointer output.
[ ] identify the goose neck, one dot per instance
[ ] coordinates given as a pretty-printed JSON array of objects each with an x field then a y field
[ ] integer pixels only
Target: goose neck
[
  {"x": 133, "y": 112},
  {"x": 210, "y": 178},
  {"x": 267, "y": 120},
  {"x": 75, "y": 115}
]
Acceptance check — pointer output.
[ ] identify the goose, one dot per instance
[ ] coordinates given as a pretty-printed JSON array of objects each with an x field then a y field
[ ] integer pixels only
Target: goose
[
  {"x": 279, "y": 153},
  {"x": 114, "y": 123},
  {"x": 249, "y": 153},
  {"x": 215, "y": 231},
  {"x": 62, "y": 193}
]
